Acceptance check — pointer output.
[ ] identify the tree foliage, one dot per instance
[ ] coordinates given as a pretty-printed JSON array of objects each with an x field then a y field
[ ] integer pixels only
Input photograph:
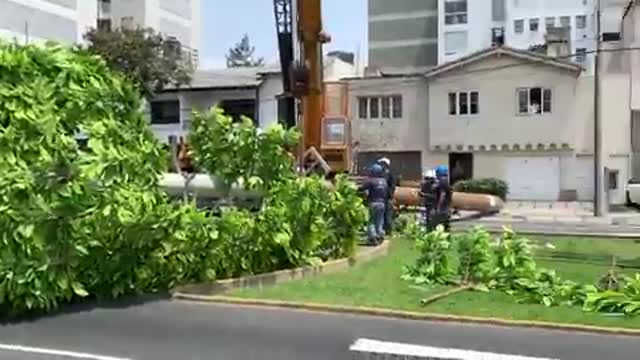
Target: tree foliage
[
  {"x": 242, "y": 54},
  {"x": 81, "y": 222},
  {"x": 146, "y": 57}
]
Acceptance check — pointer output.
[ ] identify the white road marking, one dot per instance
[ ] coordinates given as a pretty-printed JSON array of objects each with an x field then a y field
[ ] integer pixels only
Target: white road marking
[
  {"x": 372, "y": 349},
  {"x": 53, "y": 352}
]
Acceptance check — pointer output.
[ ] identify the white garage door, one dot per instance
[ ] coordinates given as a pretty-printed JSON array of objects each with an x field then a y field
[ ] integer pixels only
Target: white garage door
[{"x": 533, "y": 178}]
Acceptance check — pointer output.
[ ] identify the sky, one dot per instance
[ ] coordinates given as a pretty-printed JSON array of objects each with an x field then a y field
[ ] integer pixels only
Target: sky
[{"x": 224, "y": 22}]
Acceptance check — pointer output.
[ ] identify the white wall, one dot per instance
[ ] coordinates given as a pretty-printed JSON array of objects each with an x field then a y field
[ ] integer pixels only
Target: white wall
[
  {"x": 268, "y": 103},
  {"x": 498, "y": 121},
  {"x": 163, "y": 16},
  {"x": 409, "y": 133},
  {"x": 478, "y": 29},
  {"x": 37, "y": 20},
  {"x": 480, "y": 23}
]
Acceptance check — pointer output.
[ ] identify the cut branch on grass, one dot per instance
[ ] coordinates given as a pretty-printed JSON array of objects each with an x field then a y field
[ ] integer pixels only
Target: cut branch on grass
[{"x": 442, "y": 295}]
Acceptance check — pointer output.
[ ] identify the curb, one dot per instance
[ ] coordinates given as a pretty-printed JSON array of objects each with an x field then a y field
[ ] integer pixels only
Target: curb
[
  {"x": 407, "y": 315},
  {"x": 281, "y": 276}
]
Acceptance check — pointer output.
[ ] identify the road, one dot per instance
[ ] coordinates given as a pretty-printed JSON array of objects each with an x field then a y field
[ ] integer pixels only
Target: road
[{"x": 171, "y": 330}]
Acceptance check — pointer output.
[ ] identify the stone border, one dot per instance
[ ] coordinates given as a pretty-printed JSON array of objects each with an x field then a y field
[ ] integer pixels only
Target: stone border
[
  {"x": 408, "y": 315},
  {"x": 259, "y": 281}
]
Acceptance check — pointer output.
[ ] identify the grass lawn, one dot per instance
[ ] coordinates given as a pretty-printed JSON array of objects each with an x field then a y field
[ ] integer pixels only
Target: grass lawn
[{"x": 378, "y": 284}]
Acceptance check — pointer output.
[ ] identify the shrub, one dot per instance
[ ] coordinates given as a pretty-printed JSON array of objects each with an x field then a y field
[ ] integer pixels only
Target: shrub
[
  {"x": 75, "y": 222},
  {"x": 489, "y": 186},
  {"x": 92, "y": 222}
]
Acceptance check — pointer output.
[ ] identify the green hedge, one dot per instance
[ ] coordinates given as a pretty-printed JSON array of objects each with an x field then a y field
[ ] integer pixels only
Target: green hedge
[{"x": 489, "y": 186}]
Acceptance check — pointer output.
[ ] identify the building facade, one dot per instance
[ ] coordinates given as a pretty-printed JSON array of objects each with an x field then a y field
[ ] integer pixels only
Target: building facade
[
  {"x": 178, "y": 19},
  {"x": 27, "y": 21},
  {"x": 403, "y": 33},
  {"x": 66, "y": 21},
  {"x": 467, "y": 26},
  {"x": 505, "y": 113}
]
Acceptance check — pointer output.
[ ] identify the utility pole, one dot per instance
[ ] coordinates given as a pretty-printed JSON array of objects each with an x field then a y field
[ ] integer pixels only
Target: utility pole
[{"x": 597, "y": 173}]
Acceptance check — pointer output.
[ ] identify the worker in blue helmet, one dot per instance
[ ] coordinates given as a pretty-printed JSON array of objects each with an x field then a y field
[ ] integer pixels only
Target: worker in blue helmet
[
  {"x": 443, "y": 197},
  {"x": 391, "y": 183},
  {"x": 428, "y": 195},
  {"x": 377, "y": 192}
]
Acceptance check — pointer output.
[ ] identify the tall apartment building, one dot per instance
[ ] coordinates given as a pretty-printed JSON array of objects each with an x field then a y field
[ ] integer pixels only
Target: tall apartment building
[
  {"x": 178, "y": 19},
  {"x": 403, "y": 33},
  {"x": 39, "y": 20},
  {"x": 466, "y": 26},
  {"x": 68, "y": 20}
]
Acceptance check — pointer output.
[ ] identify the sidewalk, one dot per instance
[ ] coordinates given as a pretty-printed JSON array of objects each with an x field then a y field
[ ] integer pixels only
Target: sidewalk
[{"x": 565, "y": 213}]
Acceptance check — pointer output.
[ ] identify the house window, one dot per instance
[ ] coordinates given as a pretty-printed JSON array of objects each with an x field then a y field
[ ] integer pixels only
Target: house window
[
  {"x": 613, "y": 179},
  {"x": 380, "y": 107},
  {"x": 397, "y": 106},
  {"x": 581, "y": 54},
  {"x": 363, "y": 107},
  {"x": 165, "y": 112},
  {"x": 518, "y": 26},
  {"x": 386, "y": 107},
  {"x": 533, "y": 24},
  {"x": 374, "y": 108},
  {"x": 581, "y": 21},
  {"x": 236, "y": 109},
  {"x": 453, "y": 103},
  {"x": 565, "y": 21},
  {"x": 534, "y": 101},
  {"x": 550, "y": 22},
  {"x": 497, "y": 36},
  {"x": 454, "y": 42},
  {"x": 455, "y": 12},
  {"x": 126, "y": 22},
  {"x": 473, "y": 102},
  {"x": 464, "y": 103}
]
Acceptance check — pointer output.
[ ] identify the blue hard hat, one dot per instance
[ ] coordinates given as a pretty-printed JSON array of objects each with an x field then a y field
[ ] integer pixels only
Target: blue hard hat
[
  {"x": 442, "y": 170},
  {"x": 376, "y": 170}
]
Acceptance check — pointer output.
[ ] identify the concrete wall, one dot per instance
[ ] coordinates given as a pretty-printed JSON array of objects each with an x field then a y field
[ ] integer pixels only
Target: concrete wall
[
  {"x": 178, "y": 18},
  {"x": 40, "y": 20},
  {"x": 268, "y": 103},
  {"x": 498, "y": 121},
  {"x": 403, "y": 33},
  {"x": 480, "y": 21},
  {"x": 477, "y": 29},
  {"x": 409, "y": 133}
]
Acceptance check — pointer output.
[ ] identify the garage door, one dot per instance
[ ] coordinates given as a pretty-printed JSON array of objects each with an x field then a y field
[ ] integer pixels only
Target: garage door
[{"x": 533, "y": 178}]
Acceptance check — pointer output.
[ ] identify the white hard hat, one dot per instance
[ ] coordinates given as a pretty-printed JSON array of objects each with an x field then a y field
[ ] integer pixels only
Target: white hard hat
[
  {"x": 385, "y": 161},
  {"x": 429, "y": 173}
]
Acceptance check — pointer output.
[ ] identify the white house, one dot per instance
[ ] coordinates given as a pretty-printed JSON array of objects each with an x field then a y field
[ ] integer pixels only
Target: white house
[
  {"x": 511, "y": 114},
  {"x": 240, "y": 91}
]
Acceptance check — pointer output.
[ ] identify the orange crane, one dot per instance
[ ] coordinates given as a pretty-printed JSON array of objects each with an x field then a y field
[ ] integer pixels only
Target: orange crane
[{"x": 326, "y": 139}]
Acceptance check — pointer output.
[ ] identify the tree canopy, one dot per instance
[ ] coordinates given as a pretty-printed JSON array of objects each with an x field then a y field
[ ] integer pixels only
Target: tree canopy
[
  {"x": 146, "y": 57},
  {"x": 242, "y": 55}
]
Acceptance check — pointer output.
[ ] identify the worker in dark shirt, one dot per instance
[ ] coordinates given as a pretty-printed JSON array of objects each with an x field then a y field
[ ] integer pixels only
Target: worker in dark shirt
[
  {"x": 428, "y": 195},
  {"x": 377, "y": 194},
  {"x": 443, "y": 197},
  {"x": 391, "y": 183}
]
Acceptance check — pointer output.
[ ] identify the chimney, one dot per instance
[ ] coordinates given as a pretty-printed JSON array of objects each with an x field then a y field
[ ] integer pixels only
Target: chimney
[{"x": 558, "y": 41}]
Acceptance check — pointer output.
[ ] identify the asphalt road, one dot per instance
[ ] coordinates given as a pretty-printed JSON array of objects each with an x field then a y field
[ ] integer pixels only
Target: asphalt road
[{"x": 169, "y": 330}]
